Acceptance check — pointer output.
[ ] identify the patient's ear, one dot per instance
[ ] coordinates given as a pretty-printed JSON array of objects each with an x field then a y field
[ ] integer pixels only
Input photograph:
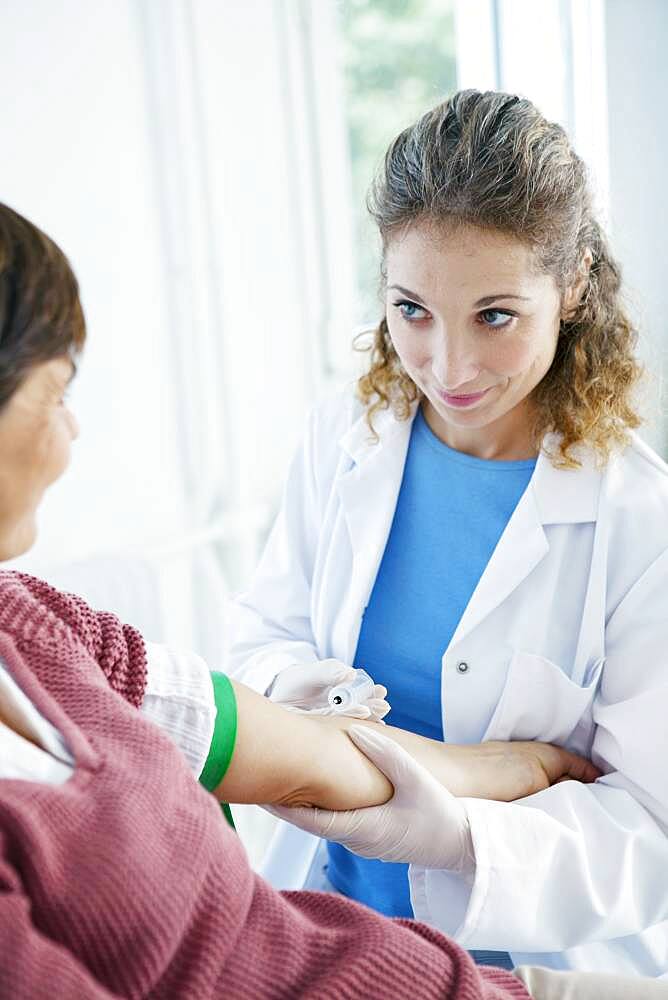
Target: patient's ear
[{"x": 575, "y": 291}]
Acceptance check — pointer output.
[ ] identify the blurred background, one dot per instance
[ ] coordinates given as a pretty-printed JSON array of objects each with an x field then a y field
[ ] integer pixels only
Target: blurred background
[{"x": 204, "y": 164}]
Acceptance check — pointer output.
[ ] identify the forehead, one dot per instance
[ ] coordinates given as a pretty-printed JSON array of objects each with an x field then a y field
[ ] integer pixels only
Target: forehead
[{"x": 432, "y": 256}]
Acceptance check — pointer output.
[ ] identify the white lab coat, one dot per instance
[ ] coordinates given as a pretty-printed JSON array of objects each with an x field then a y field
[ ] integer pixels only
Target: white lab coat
[{"x": 565, "y": 639}]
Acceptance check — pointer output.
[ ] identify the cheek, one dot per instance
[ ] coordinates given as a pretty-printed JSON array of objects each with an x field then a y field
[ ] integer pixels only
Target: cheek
[
  {"x": 510, "y": 358},
  {"x": 54, "y": 447},
  {"x": 519, "y": 355},
  {"x": 412, "y": 350}
]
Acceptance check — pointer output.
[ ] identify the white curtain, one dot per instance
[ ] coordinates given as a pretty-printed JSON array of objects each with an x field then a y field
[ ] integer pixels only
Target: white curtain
[{"x": 190, "y": 157}]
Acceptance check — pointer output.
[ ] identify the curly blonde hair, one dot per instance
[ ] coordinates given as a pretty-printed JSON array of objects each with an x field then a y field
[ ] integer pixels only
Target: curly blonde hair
[{"x": 491, "y": 160}]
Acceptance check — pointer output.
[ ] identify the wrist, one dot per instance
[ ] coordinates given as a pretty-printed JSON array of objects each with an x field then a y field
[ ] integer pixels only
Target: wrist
[
  {"x": 452, "y": 771},
  {"x": 474, "y": 771}
]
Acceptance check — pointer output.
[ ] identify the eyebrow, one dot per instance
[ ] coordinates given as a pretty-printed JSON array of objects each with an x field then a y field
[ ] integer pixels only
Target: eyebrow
[
  {"x": 484, "y": 301},
  {"x": 487, "y": 300},
  {"x": 407, "y": 293}
]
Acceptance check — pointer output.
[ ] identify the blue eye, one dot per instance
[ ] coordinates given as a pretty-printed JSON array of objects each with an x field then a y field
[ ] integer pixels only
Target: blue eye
[
  {"x": 409, "y": 310},
  {"x": 491, "y": 317}
]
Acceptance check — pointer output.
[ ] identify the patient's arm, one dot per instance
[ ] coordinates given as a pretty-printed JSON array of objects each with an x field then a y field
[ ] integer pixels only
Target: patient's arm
[{"x": 293, "y": 759}]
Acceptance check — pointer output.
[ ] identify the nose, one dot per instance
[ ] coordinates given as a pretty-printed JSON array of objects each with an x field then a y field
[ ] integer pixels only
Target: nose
[{"x": 453, "y": 363}]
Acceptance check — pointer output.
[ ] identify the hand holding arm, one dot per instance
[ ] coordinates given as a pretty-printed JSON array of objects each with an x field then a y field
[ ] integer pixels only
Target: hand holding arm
[{"x": 402, "y": 829}]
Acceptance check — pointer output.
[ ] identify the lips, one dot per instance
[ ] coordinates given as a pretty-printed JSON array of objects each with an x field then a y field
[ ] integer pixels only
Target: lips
[{"x": 461, "y": 401}]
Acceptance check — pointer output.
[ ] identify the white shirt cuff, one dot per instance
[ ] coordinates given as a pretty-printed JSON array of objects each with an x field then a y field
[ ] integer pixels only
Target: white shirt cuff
[{"x": 179, "y": 699}]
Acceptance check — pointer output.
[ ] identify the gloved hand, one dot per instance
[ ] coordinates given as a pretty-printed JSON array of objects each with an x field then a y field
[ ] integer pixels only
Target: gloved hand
[
  {"x": 422, "y": 823},
  {"x": 304, "y": 688},
  {"x": 547, "y": 984}
]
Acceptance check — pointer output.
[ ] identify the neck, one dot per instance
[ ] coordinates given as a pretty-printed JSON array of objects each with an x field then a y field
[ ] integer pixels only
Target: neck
[{"x": 507, "y": 439}]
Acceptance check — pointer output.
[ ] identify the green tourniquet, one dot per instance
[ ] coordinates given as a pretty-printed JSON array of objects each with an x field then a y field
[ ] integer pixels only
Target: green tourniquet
[{"x": 224, "y": 738}]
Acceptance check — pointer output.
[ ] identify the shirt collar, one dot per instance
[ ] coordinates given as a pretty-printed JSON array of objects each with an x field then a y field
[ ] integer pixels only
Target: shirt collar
[{"x": 563, "y": 496}]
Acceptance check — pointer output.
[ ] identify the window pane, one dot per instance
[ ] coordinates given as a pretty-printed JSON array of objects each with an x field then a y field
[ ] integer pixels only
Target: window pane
[{"x": 399, "y": 59}]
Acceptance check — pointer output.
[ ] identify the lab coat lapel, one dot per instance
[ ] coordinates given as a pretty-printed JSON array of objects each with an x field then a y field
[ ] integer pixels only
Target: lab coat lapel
[
  {"x": 521, "y": 547},
  {"x": 554, "y": 496},
  {"x": 368, "y": 492}
]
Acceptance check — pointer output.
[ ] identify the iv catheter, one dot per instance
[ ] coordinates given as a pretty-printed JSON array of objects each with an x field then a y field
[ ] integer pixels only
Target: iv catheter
[{"x": 354, "y": 692}]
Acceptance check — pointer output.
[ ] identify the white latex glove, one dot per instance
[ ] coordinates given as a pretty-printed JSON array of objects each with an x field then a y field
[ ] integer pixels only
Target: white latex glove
[
  {"x": 547, "y": 984},
  {"x": 304, "y": 688},
  {"x": 422, "y": 823}
]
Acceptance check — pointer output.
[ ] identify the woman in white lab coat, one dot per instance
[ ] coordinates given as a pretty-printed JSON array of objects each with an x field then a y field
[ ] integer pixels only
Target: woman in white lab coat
[{"x": 479, "y": 527}]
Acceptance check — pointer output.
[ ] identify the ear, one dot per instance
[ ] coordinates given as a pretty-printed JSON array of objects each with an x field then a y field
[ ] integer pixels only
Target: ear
[{"x": 575, "y": 291}]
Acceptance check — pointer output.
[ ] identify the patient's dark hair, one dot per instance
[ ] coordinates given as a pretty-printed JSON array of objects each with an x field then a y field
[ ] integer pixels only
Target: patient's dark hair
[{"x": 40, "y": 313}]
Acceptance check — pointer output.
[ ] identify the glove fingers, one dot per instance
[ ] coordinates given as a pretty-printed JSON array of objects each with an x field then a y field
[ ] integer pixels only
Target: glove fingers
[
  {"x": 396, "y": 763},
  {"x": 307, "y": 819},
  {"x": 332, "y": 672},
  {"x": 379, "y": 707},
  {"x": 319, "y": 822},
  {"x": 327, "y": 710},
  {"x": 388, "y": 756},
  {"x": 305, "y": 684},
  {"x": 352, "y": 711}
]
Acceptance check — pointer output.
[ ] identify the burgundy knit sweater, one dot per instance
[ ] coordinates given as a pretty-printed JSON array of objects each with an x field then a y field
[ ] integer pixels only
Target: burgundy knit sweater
[{"x": 127, "y": 882}]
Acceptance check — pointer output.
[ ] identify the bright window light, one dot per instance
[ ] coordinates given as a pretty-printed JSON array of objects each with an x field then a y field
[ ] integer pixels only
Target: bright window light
[{"x": 399, "y": 60}]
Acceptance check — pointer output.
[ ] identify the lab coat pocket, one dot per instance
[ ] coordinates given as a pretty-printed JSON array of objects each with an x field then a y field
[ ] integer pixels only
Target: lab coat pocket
[{"x": 540, "y": 702}]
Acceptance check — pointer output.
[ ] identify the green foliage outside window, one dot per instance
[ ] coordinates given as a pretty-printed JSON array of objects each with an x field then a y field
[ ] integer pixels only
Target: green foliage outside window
[{"x": 399, "y": 60}]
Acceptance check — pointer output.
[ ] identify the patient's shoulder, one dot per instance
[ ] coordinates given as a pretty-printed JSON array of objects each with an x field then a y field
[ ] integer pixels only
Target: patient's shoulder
[{"x": 38, "y": 615}]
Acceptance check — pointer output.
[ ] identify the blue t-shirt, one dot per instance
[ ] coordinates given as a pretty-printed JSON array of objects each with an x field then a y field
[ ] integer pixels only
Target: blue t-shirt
[{"x": 451, "y": 511}]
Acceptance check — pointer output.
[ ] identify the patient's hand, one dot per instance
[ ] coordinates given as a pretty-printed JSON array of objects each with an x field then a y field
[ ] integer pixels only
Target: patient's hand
[{"x": 511, "y": 770}]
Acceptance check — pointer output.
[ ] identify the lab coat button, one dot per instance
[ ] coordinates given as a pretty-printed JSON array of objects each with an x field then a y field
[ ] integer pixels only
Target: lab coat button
[{"x": 462, "y": 668}]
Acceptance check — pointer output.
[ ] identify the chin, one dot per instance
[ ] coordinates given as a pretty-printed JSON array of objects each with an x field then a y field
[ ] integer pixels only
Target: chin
[{"x": 473, "y": 419}]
